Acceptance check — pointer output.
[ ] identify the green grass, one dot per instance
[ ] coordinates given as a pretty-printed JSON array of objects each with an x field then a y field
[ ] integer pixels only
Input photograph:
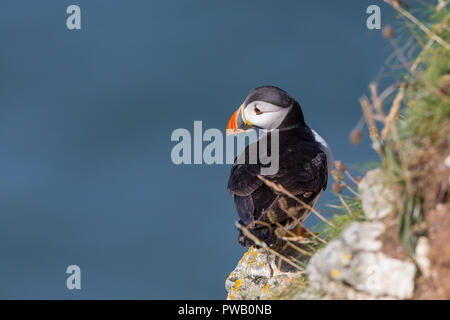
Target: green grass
[
  {"x": 423, "y": 125},
  {"x": 340, "y": 220}
]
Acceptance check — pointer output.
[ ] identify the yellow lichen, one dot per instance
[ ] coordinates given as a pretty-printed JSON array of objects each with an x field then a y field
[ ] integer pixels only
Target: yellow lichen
[
  {"x": 266, "y": 287},
  {"x": 231, "y": 296},
  {"x": 251, "y": 260},
  {"x": 247, "y": 254},
  {"x": 335, "y": 273},
  {"x": 237, "y": 284},
  {"x": 346, "y": 257}
]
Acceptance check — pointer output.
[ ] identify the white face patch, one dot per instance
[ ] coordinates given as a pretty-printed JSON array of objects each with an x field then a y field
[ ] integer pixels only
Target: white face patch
[{"x": 265, "y": 115}]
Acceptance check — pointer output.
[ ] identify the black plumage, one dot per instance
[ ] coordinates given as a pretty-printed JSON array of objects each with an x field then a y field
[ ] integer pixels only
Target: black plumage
[{"x": 302, "y": 171}]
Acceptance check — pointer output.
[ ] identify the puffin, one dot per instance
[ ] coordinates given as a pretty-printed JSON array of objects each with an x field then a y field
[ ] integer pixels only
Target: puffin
[{"x": 305, "y": 160}]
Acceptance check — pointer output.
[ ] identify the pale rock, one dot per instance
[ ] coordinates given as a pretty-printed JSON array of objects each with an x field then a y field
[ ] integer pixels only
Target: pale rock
[
  {"x": 255, "y": 276},
  {"x": 447, "y": 162},
  {"x": 421, "y": 256},
  {"x": 353, "y": 261},
  {"x": 378, "y": 197},
  {"x": 363, "y": 236},
  {"x": 336, "y": 290}
]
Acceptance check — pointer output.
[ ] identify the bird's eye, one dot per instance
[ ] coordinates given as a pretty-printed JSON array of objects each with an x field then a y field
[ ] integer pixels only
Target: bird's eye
[{"x": 257, "y": 111}]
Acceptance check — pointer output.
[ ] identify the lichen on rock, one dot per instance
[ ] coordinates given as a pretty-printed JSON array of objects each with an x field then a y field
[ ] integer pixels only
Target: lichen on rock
[
  {"x": 255, "y": 275},
  {"x": 353, "y": 264},
  {"x": 349, "y": 267}
]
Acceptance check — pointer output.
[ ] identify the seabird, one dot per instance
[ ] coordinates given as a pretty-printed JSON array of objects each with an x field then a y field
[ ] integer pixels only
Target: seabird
[{"x": 304, "y": 164}]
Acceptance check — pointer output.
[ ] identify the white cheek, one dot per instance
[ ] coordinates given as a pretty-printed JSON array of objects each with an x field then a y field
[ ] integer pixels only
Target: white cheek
[{"x": 266, "y": 120}]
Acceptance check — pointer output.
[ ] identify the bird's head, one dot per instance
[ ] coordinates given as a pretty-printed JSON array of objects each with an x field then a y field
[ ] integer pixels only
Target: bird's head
[{"x": 268, "y": 108}]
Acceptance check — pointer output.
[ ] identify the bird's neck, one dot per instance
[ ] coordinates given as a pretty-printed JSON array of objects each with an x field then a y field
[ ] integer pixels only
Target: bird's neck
[
  {"x": 294, "y": 118},
  {"x": 297, "y": 132}
]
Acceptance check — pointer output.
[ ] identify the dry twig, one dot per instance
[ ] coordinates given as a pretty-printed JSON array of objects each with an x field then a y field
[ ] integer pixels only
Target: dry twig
[
  {"x": 280, "y": 188},
  {"x": 414, "y": 20}
]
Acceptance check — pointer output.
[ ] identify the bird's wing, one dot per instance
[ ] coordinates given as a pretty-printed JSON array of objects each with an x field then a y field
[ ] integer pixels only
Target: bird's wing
[
  {"x": 248, "y": 190},
  {"x": 302, "y": 168},
  {"x": 244, "y": 179}
]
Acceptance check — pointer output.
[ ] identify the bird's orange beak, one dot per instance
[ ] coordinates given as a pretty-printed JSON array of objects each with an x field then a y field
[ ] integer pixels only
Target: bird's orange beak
[
  {"x": 237, "y": 123},
  {"x": 232, "y": 126}
]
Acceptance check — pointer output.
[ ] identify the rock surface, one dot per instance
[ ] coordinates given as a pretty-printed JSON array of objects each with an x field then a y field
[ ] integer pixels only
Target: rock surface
[
  {"x": 255, "y": 276},
  {"x": 378, "y": 197},
  {"x": 352, "y": 267}
]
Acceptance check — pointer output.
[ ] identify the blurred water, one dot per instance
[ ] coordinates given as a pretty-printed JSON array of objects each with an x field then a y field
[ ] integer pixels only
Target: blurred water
[{"x": 86, "y": 118}]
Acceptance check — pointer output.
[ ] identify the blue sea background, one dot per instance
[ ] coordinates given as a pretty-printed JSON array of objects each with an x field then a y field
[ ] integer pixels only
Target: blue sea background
[{"x": 86, "y": 117}]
